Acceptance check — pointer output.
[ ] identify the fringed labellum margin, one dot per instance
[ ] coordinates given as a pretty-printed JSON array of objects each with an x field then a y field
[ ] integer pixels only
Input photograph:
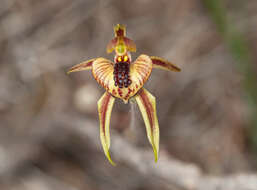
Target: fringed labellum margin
[{"x": 125, "y": 79}]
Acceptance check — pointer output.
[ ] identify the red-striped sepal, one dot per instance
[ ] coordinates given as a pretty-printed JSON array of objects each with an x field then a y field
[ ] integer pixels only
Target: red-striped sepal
[
  {"x": 147, "y": 105},
  {"x": 105, "y": 105},
  {"x": 86, "y": 65},
  {"x": 164, "y": 64}
]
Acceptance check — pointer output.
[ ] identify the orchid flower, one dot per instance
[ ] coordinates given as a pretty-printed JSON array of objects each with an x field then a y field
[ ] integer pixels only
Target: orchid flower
[{"x": 124, "y": 79}]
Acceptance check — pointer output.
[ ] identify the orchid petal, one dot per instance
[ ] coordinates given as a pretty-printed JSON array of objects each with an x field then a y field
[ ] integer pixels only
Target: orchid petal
[
  {"x": 164, "y": 64},
  {"x": 147, "y": 105},
  {"x": 130, "y": 44},
  {"x": 111, "y": 45},
  {"x": 105, "y": 105},
  {"x": 124, "y": 42},
  {"x": 86, "y": 65}
]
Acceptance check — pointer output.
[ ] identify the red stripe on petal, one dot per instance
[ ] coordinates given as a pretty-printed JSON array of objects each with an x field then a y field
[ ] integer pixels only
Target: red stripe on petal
[
  {"x": 165, "y": 64},
  {"x": 148, "y": 107},
  {"x": 104, "y": 110}
]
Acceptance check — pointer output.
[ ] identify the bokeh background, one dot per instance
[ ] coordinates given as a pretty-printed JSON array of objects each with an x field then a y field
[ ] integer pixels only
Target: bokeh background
[{"x": 49, "y": 133}]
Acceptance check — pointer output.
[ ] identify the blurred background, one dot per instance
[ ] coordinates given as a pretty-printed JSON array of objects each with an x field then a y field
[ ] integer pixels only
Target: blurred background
[{"x": 49, "y": 132}]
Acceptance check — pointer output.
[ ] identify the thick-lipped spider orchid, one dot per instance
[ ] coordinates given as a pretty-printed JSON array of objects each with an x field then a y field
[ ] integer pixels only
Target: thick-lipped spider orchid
[{"x": 124, "y": 79}]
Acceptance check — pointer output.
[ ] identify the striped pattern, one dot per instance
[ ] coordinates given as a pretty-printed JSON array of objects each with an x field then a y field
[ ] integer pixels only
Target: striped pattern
[
  {"x": 140, "y": 71},
  {"x": 86, "y": 65},
  {"x": 164, "y": 64},
  {"x": 105, "y": 105},
  {"x": 102, "y": 70},
  {"x": 147, "y": 105}
]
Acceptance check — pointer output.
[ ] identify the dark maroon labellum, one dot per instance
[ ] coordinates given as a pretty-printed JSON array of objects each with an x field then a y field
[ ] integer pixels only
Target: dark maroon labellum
[{"x": 121, "y": 74}]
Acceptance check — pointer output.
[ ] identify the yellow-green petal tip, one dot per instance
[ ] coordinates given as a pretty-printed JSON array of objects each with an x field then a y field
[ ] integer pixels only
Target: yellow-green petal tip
[
  {"x": 155, "y": 154},
  {"x": 109, "y": 158}
]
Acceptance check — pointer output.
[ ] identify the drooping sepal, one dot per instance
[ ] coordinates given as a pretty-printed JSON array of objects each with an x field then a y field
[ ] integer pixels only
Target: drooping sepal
[
  {"x": 164, "y": 64},
  {"x": 86, "y": 65},
  {"x": 105, "y": 105},
  {"x": 147, "y": 106}
]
